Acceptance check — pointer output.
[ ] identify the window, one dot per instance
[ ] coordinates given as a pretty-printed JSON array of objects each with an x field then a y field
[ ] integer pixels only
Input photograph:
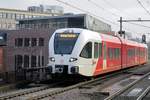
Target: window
[
  {"x": 26, "y": 42},
  {"x": 87, "y": 51},
  {"x": 4, "y": 15},
  {"x": 96, "y": 49},
  {"x": 42, "y": 60},
  {"x": 1, "y": 15},
  {"x": 116, "y": 53},
  {"x": 39, "y": 61},
  {"x": 41, "y": 41},
  {"x": 100, "y": 49},
  {"x": 18, "y": 61},
  {"x": 18, "y": 42},
  {"x": 33, "y": 61},
  {"x": 110, "y": 53},
  {"x": 13, "y": 16},
  {"x": 105, "y": 51},
  {"x": 9, "y": 15},
  {"x": 33, "y": 42},
  {"x": 63, "y": 41},
  {"x": 26, "y": 61}
]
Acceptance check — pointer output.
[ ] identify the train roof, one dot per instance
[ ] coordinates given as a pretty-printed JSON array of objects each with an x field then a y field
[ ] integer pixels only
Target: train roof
[{"x": 133, "y": 43}]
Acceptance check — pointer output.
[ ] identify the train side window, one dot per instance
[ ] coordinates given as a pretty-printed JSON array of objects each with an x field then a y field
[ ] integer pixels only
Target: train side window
[
  {"x": 109, "y": 53},
  {"x": 100, "y": 49},
  {"x": 96, "y": 49},
  {"x": 119, "y": 53},
  {"x": 87, "y": 51}
]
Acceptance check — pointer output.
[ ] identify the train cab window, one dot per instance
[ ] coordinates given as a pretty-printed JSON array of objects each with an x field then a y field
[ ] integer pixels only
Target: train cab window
[
  {"x": 96, "y": 50},
  {"x": 63, "y": 41},
  {"x": 87, "y": 51}
]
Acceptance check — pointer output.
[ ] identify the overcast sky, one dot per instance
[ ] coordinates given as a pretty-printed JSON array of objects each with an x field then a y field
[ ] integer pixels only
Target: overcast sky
[{"x": 107, "y": 10}]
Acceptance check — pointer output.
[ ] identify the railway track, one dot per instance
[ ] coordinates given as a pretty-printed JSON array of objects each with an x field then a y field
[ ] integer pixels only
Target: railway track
[
  {"x": 86, "y": 84},
  {"x": 11, "y": 87},
  {"x": 136, "y": 90},
  {"x": 22, "y": 92},
  {"x": 47, "y": 92}
]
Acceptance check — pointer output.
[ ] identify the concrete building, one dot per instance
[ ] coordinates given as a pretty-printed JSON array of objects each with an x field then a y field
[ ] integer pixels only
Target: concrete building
[
  {"x": 65, "y": 21},
  {"x": 8, "y": 17}
]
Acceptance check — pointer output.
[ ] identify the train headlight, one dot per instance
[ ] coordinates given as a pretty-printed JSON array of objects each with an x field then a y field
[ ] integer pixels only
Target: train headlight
[
  {"x": 72, "y": 59},
  {"x": 52, "y": 59}
]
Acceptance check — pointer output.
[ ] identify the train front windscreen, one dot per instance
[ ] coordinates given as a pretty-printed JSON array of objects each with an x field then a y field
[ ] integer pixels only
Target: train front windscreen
[{"x": 64, "y": 42}]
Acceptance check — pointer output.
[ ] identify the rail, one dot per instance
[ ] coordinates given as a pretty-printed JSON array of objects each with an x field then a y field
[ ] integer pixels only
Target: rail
[{"x": 114, "y": 95}]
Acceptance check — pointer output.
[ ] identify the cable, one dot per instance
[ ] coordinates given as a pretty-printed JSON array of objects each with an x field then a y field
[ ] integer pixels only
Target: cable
[
  {"x": 108, "y": 3},
  {"x": 103, "y": 8},
  {"x": 139, "y": 25},
  {"x": 143, "y": 6},
  {"x": 87, "y": 12},
  {"x": 72, "y": 6}
]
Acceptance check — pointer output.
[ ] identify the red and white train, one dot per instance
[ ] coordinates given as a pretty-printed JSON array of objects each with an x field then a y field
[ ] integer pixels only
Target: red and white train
[{"x": 87, "y": 53}]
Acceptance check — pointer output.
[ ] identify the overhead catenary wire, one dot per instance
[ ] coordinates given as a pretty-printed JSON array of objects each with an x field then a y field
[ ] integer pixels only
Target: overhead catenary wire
[
  {"x": 139, "y": 25},
  {"x": 143, "y": 6},
  {"x": 103, "y": 8},
  {"x": 77, "y": 8},
  {"x": 72, "y": 6},
  {"x": 119, "y": 10}
]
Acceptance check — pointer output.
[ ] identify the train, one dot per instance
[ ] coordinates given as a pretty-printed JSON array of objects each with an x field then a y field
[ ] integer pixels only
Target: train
[{"x": 76, "y": 51}]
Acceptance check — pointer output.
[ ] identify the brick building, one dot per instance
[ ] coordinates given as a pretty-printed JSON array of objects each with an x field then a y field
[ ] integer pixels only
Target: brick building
[{"x": 25, "y": 49}]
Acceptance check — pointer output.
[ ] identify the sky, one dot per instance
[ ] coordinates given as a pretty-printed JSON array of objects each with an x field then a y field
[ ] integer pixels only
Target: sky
[{"x": 108, "y": 11}]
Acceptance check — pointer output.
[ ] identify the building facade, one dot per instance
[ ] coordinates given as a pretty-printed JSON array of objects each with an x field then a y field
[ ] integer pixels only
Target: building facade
[
  {"x": 66, "y": 21},
  {"x": 25, "y": 50},
  {"x": 8, "y": 17}
]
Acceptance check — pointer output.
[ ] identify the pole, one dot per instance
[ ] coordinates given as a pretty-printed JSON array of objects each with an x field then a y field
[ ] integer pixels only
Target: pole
[{"x": 120, "y": 26}]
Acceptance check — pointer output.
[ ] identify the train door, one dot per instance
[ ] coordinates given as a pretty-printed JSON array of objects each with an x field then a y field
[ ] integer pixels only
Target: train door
[
  {"x": 97, "y": 59},
  {"x": 104, "y": 56},
  {"x": 86, "y": 60}
]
